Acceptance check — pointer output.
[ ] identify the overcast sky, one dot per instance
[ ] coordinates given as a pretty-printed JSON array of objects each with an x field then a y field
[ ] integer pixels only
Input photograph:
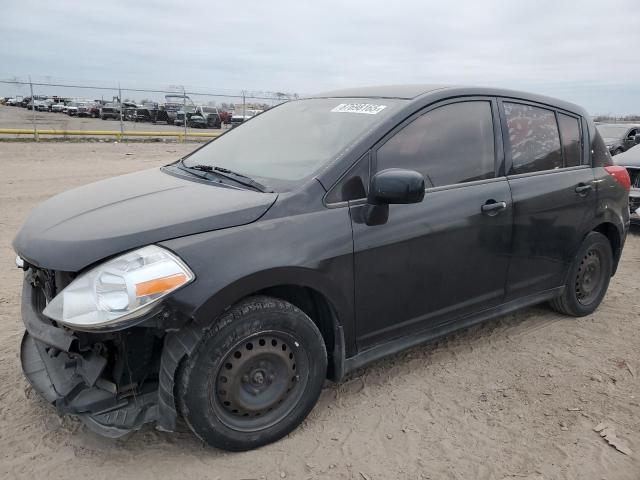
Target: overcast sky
[{"x": 584, "y": 51}]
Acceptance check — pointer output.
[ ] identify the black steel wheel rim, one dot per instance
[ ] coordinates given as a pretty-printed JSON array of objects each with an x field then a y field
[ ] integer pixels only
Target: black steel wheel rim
[
  {"x": 590, "y": 277},
  {"x": 260, "y": 381}
]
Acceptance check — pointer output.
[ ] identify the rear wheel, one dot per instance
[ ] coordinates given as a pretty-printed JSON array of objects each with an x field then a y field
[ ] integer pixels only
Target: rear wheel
[
  {"x": 255, "y": 375},
  {"x": 588, "y": 278}
]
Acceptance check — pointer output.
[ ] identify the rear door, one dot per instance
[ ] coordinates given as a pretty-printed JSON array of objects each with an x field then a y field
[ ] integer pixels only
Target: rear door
[
  {"x": 435, "y": 261},
  {"x": 553, "y": 193}
]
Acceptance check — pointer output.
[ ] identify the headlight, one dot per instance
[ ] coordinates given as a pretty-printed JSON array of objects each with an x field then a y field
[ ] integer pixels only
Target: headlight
[{"x": 120, "y": 289}]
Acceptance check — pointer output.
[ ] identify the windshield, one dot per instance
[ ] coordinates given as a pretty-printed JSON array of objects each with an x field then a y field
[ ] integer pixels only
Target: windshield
[
  {"x": 292, "y": 141},
  {"x": 612, "y": 131}
]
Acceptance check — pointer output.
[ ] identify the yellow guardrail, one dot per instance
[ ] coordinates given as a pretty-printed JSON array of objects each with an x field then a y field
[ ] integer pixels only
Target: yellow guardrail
[{"x": 181, "y": 135}]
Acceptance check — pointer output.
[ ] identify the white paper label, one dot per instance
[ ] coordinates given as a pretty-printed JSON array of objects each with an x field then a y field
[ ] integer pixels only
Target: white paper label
[{"x": 368, "y": 108}]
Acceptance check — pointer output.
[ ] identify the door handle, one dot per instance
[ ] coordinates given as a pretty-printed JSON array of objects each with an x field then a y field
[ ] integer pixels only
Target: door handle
[
  {"x": 493, "y": 207},
  {"x": 583, "y": 188}
]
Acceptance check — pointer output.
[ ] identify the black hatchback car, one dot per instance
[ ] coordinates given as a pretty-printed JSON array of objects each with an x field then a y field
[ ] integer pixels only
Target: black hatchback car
[{"x": 318, "y": 236}]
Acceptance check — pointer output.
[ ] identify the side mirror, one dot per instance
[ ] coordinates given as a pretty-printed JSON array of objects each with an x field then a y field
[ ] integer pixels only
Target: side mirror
[
  {"x": 392, "y": 186},
  {"x": 396, "y": 186}
]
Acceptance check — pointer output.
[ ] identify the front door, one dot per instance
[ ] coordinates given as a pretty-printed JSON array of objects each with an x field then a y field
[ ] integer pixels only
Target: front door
[{"x": 447, "y": 256}]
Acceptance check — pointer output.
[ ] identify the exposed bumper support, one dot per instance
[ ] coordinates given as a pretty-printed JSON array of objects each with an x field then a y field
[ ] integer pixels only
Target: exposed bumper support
[
  {"x": 73, "y": 381},
  {"x": 74, "y": 387}
]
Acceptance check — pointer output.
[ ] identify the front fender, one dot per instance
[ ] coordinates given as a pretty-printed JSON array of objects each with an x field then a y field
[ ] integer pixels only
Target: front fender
[
  {"x": 233, "y": 263},
  {"x": 309, "y": 249},
  {"x": 274, "y": 277}
]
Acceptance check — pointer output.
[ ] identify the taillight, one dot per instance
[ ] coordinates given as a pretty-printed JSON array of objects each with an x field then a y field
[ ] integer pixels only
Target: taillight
[{"x": 620, "y": 175}]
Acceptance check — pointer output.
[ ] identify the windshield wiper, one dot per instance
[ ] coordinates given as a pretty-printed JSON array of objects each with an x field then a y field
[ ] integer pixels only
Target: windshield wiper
[
  {"x": 231, "y": 175},
  {"x": 180, "y": 164}
]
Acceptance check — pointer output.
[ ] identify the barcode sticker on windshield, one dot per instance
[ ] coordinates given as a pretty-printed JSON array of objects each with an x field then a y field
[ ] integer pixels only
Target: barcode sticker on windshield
[{"x": 368, "y": 108}]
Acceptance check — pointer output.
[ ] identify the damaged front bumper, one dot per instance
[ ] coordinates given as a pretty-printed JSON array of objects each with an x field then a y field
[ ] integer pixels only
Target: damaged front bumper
[
  {"x": 634, "y": 204},
  {"x": 108, "y": 380}
]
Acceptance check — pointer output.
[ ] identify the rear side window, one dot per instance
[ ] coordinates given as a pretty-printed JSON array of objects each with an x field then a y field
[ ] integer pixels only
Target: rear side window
[
  {"x": 448, "y": 145},
  {"x": 533, "y": 137},
  {"x": 571, "y": 145}
]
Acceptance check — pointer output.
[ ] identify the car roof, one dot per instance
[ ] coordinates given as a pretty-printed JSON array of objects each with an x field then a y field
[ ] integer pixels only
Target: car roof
[
  {"x": 414, "y": 92},
  {"x": 407, "y": 92},
  {"x": 630, "y": 158}
]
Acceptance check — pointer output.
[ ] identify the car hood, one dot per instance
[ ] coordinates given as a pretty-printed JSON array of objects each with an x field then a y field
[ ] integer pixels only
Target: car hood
[
  {"x": 81, "y": 226},
  {"x": 609, "y": 140},
  {"x": 630, "y": 158}
]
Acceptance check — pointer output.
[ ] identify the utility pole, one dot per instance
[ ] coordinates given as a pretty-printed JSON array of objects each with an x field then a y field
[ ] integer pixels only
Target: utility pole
[
  {"x": 121, "y": 111},
  {"x": 33, "y": 108},
  {"x": 184, "y": 109}
]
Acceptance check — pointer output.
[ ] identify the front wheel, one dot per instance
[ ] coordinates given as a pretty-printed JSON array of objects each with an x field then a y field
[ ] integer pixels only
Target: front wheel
[
  {"x": 254, "y": 376},
  {"x": 588, "y": 277}
]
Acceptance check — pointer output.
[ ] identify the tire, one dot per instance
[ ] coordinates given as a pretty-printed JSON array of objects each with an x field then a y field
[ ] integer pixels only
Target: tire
[
  {"x": 617, "y": 152},
  {"x": 254, "y": 376},
  {"x": 588, "y": 278}
]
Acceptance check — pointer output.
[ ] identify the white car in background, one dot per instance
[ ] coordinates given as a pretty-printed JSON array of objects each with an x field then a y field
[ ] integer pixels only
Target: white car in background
[
  {"x": 72, "y": 109},
  {"x": 239, "y": 116},
  {"x": 631, "y": 161},
  {"x": 40, "y": 105}
]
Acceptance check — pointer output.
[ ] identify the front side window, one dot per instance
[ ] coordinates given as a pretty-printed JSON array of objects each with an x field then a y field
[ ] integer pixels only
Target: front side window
[
  {"x": 571, "y": 144},
  {"x": 448, "y": 145},
  {"x": 533, "y": 137}
]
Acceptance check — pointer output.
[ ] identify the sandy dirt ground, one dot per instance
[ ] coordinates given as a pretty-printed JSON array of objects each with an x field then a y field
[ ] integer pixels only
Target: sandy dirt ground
[{"x": 517, "y": 397}]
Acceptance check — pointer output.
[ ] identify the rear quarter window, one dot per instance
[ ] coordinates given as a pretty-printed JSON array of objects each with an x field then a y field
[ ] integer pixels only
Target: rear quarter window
[{"x": 571, "y": 144}]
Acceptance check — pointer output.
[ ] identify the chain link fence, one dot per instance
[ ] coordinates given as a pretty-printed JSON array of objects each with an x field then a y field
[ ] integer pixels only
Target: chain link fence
[{"x": 62, "y": 107}]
